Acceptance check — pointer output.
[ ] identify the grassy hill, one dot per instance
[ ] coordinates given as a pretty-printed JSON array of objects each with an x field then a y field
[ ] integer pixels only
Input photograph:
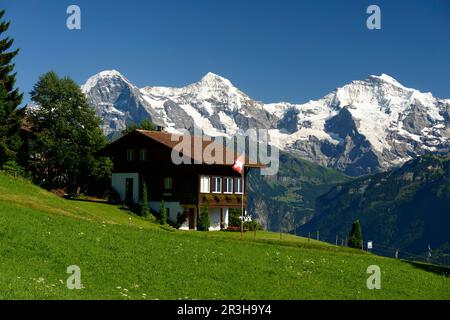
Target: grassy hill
[
  {"x": 406, "y": 208},
  {"x": 41, "y": 235}
]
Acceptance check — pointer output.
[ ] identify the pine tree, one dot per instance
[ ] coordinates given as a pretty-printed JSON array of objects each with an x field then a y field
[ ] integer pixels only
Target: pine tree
[
  {"x": 162, "y": 213},
  {"x": 203, "y": 221},
  {"x": 355, "y": 236},
  {"x": 143, "y": 205},
  {"x": 10, "y": 98}
]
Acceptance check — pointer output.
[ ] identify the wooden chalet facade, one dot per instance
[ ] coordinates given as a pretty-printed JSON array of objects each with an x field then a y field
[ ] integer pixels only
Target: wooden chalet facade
[{"x": 185, "y": 188}]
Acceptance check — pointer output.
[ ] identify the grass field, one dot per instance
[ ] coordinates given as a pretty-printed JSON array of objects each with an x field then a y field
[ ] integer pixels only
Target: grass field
[{"x": 41, "y": 235}]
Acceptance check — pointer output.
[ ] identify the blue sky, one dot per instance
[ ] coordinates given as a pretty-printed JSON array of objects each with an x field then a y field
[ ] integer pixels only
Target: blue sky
[{"x": 273, "y": 50}]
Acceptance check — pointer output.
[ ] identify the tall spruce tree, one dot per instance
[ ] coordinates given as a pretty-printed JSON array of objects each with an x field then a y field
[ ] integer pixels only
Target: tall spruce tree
[
  {"x": 355, "y": 236},
  {"x": 162, "y": 213},
  {"x": 68, "y": 137},
  {"x": 10, "y": 97},
  {"x": 143, "y": 203}
]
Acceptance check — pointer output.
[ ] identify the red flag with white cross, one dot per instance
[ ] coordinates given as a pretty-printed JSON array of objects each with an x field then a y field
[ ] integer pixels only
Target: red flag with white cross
[{"x": 238, "y": 165}]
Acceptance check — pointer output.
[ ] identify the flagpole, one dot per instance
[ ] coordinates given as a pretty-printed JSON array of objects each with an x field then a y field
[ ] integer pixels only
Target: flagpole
[
  {"x": 239, "y": 166},
  {"x": 243, "y": 193}
]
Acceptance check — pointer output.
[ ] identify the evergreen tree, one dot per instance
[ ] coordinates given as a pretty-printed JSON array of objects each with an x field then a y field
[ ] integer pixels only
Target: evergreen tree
[
  {"x": 355, "y": 236},
  {"x": 203, "y": 221},
  {"x": 162, "y": 213},
  {"x": 143, "y": 205},
  {"x": 10, "y": 98},
  {"x": 67, "y": 138}
]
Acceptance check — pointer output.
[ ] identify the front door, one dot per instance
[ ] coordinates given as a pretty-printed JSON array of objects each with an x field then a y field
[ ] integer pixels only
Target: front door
[
  {"x": 129, "y": 190},
  {"x": 191, "y": 219}
]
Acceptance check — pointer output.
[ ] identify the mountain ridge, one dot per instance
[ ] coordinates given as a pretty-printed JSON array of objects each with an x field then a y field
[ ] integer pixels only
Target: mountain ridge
[
  {"x": 390, "y": 123},
  {"x": 405, "y": 208}
]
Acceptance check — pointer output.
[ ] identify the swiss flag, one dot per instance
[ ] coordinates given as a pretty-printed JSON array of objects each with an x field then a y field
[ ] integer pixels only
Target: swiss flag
[{"x": 239, "y": 164}]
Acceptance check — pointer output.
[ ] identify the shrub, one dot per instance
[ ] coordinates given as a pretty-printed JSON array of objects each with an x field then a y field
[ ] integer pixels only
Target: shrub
[
  {"x": 143, "y": 204},
  {"x": 234, "y": 218},
  {"x": 203, "y": 221},
  {"x": 13, "y": 169},
  {"x": 162, "y": 213},
  {"x": 355, "y": 236},
  {"x": 252, "y": 225}
]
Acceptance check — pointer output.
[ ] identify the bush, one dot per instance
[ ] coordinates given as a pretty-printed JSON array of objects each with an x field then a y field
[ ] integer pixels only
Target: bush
[
  {"x": 13, "y": 169},
  {"x": 355, "y": 236},
  {"x": 234, "y": 217},
  {"x": 252, "y": 226},
  {"x": 162, "y": 213},
  {"x": 203, "y": 221},
  {"x": 143, "y": 204}
]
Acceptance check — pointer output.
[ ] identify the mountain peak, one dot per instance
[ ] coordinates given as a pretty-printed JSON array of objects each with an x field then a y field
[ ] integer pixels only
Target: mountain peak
[
  {"x": 106, "y": 74},
  {"x": 110, "y": 73},
  {"x": 212, "y": 76},
  {"x": 214, "y": 80},
  {"x": 387, "y": 79}
]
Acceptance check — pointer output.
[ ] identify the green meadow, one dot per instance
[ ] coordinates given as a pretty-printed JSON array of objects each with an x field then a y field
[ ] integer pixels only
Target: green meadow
[{"x": 124, "y": 257}]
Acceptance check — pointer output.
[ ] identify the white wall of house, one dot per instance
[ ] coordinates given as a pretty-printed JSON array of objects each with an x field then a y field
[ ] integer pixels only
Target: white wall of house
[
  {"x": 173, "y": 209},
  {"x": 214, "y": 217},
  {"x": 119, "y": 181},
  {"x": 185, "y": 225},
  {"x": 225, "y": 212}
]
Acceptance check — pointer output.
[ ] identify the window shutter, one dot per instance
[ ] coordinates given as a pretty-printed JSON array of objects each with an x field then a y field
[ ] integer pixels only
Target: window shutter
[{"x": 211, "y": 184}]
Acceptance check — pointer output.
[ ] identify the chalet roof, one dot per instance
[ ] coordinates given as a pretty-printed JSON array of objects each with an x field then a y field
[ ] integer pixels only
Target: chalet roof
[{"x": 173, "y": 141}]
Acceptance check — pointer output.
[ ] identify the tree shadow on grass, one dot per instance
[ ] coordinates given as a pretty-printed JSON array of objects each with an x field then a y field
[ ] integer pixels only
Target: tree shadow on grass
[{"x": 439, "y": 270}]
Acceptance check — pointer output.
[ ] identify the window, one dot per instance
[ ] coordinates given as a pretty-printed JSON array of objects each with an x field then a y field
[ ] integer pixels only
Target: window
[
  {"x": 238, "y": 185},
  {"x": 143, "y": 154},
  {"x": 130, "y": 155},
  {"x": 168, "y": 183},
  {"x": 228, "y": 185},
  {"x": 217, "y": 185},
  {"x": 204, "y": 184}
]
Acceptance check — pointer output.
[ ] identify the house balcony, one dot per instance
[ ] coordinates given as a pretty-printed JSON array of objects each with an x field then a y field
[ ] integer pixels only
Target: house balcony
[{"x": 222, "y": 200}]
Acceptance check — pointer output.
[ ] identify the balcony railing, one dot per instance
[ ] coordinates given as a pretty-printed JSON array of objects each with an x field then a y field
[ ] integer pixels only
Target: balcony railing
[{"x": 222, "y": 200}]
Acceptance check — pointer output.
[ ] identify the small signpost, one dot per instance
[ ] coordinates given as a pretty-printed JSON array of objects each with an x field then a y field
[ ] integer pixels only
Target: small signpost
[{"x": 369, "y": 245}]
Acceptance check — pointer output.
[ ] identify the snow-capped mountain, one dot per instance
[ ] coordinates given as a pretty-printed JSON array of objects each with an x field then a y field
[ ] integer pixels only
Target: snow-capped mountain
[{"x": 368, "y": 125}]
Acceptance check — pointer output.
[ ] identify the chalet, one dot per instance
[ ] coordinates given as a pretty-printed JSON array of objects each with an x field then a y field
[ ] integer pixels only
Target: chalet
[{"x": 185, "y": 188}]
